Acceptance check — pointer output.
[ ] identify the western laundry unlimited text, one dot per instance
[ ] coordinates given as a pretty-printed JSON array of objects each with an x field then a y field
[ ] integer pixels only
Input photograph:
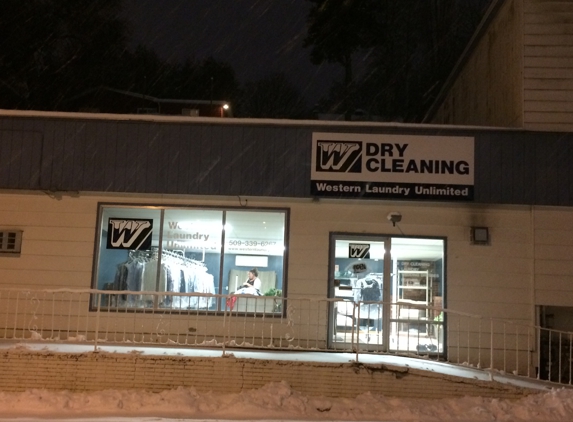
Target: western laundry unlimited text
[{"x": 395, "y": 190}]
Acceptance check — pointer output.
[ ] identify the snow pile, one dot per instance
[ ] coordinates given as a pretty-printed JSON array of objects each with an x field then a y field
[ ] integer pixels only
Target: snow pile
[{"x": 279, "y": 401}]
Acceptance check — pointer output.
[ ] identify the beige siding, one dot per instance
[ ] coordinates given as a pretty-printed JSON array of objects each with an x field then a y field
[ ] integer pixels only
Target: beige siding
[
  {"x": 488, "y": 89},
  {"x": 472, "y": 270},
  {"x": 57, "y": 243},
  {"x": 554, "y": 257},
  {"x": 527, "y": 263},
  {"x": 548, "y": 65}
]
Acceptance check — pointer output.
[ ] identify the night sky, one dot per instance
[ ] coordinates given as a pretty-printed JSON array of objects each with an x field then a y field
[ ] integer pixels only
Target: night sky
[{"x": 256, "y": 37}]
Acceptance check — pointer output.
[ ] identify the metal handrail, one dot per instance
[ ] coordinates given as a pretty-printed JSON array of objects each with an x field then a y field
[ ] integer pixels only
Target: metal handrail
[{"x": 96, "y": 317}]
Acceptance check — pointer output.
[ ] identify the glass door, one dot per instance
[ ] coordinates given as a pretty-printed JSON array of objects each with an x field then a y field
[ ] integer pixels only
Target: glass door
[
  {"x": 416, "y": 317},
  {"x": 386, "y": 293},
  {"x": 357, "y": 289}
]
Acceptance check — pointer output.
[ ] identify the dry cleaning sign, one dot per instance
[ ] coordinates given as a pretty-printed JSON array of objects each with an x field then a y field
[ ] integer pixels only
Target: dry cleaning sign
[{"x": 392, "y": 166}]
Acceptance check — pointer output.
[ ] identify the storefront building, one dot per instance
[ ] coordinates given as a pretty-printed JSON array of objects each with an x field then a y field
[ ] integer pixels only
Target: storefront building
[{"x": 474, "y": 220}]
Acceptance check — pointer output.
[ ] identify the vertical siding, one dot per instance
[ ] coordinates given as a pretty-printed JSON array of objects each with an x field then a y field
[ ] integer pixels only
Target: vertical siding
[
  {"x": 548, "y": 65},
  {"x": 20, "y": 158},
  {"x": 147, "y": 157},
  {"x": 246, "y": 159},
  {"x": 487, "y": 91}
]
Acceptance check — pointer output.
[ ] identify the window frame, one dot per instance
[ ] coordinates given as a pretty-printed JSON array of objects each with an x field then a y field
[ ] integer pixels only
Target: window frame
[
  {"x": 102, "y": 207},
  {"x": 10, "y": 242}
]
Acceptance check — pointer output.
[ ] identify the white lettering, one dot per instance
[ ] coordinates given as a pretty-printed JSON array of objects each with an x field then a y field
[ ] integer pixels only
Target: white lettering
[
  {"x": 327, "y": 187},
  {"x": 388, "y": 189}
]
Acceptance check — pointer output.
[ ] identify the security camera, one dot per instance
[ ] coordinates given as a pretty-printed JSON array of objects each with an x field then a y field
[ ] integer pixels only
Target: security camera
[{"x": 394, "y": 217}]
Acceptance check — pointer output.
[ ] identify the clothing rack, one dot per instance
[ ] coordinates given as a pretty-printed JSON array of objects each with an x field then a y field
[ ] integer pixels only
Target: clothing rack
[
  {"x": 136, "y": 254},
  {"x": 179, "y": 255}
]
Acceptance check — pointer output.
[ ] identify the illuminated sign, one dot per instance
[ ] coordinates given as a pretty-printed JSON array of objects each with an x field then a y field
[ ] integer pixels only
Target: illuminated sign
[{"x": 392, "y": 166}]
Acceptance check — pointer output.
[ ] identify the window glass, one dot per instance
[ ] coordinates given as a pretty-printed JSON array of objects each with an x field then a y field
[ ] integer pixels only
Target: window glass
[
  {"x": 180, "y": 250},
  {"x": 358, "y": 280},
  {"x": 127, "y": 237},
  {"x": 191, "y": 256},
  {"x": 254, "y": 242},
  {"x": 418, "y": 291}
]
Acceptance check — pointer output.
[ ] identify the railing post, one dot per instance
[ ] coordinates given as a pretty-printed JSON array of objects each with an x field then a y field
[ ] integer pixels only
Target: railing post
[
  {"x": 517, "y": 350},
  {"x": 225, "y": 325},
  {"x": 569, "y": 360},
  {"x": 560, "y": 358},
  {"x": 550, "y": 361},
  {"x": 491, "y": 344},
  {"x": 98, "y": 311},
  {"x": 357, "y": 324}
]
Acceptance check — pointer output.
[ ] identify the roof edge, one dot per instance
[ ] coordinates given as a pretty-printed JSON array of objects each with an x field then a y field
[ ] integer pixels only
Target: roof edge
[{"x": 153, "y": 118}]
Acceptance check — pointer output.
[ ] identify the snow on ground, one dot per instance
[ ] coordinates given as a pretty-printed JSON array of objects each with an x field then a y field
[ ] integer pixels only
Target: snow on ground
[{"x": 277, "y": 401}]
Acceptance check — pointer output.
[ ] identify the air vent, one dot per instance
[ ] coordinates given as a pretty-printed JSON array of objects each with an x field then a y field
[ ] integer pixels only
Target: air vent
[{"x": 10, "y": 241}]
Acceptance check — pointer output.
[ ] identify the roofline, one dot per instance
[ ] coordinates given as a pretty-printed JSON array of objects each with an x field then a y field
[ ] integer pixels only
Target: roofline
[
  {"x": 165, "y": 100},
  {"x": 153, "y": 118},
  {"x": 149, "y": 97},
  {"x": 482, "y": 28}
]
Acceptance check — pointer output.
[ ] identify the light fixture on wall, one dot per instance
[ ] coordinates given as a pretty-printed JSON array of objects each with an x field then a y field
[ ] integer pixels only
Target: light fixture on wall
[
  {"x": 479, "y": 235},
  {"x": 394, "y": 217}
]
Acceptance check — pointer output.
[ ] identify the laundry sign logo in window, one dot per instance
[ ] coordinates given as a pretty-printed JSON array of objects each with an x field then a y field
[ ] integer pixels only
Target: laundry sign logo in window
[
  {"x": 359, "y": 250},
  {"x": 129, "y": 233},
  {"x": 343, "y": 157}
]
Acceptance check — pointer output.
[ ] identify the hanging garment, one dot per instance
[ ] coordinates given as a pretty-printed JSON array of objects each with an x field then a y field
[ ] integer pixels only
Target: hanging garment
[{"x": 370, "y": 290}]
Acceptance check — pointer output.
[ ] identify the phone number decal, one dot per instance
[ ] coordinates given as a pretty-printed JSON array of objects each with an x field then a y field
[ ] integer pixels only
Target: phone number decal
[{"x": 261, "y": 243}]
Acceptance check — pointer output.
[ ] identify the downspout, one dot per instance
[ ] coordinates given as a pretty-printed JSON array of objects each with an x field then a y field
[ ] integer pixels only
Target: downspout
[{"x": 534, "y": 345}]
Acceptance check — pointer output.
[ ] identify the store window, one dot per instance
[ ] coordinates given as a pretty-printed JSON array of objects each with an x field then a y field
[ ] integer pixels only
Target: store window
[{"x": 151, "y": 250}]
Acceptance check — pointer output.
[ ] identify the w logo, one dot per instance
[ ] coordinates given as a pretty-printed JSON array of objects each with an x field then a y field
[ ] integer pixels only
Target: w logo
[
  {"x": 359, "y": 250},
  {"x": 343, "y": 157},
  {"x": 129, "y": 234}
]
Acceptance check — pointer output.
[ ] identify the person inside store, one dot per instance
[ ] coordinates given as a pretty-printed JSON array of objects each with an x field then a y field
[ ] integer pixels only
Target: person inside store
[{"x": 252, "y": 286}]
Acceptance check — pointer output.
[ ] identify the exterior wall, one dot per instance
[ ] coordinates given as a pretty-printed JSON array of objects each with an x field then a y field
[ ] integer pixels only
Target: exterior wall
[
  {"x": 548, "y": 65},
  {"x": 23, "y": 370},
  {"x": 520, "y": 74},
  {"x": 58, "y": 152},
  {"x": 496, "y": 280},
  {"x": 553, "y": 252},
  {"x": 487, "y": 91}
]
